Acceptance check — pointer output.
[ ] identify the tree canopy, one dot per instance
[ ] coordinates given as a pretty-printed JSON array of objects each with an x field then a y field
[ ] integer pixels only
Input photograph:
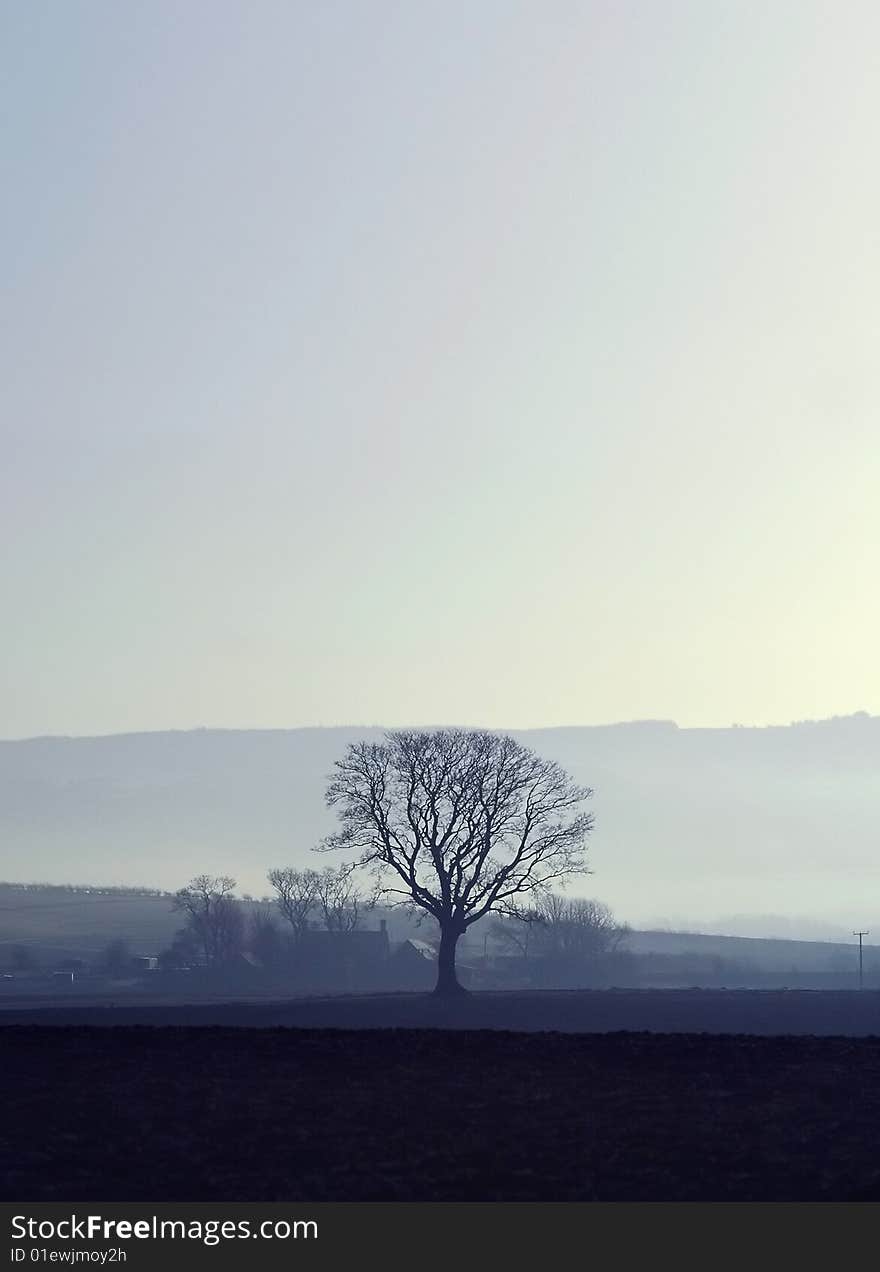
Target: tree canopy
[{"x": 458, "y": 823}]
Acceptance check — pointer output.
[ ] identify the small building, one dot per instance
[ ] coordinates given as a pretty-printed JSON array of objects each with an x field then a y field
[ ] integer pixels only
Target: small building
[
  {"x": 413, "y": 965},
  {"x": 343, "y": 960},
  {"x": 145, "y": 963}
]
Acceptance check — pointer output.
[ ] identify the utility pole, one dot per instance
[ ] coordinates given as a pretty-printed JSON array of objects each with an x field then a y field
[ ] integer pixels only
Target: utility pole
[{"x": 860, "y": 935}]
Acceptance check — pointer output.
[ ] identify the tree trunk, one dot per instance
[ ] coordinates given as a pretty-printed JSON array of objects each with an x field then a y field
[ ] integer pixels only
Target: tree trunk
[{"x": 447, "y": 981}]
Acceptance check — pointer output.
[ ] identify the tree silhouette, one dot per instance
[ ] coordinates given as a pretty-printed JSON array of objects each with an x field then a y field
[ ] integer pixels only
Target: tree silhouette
[
  {"x": 296, "y": 894},
  {"x": 339, "y": 899},
  {"x": 213, "y": 916},
  {"x": 568, "y": 934},
  {"x": 458, "y": 823}
]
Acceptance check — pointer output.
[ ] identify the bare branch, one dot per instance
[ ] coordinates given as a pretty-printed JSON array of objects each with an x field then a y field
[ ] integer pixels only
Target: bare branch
[{"x": 462, "y": 822}]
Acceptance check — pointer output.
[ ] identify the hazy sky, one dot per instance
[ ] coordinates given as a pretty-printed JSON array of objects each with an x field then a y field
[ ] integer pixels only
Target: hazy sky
[{"x": 499, "y": 363}]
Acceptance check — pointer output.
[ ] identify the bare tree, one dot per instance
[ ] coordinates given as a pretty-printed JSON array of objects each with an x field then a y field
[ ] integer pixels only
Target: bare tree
[
  {"x": 263, "y": 936},
  {"x": 183, "y": 951},
  {"x": 339, "y": 899},
  {"x": 514, "y": 931},
  {"x": 458, "y": 824},
  {"x": 213, "y": 916},
  {"x": 571, "y": 941},
  {"x": 576, "y": 928},
  {"x": 296, "y": 894},
  {"x": 115, "y": 956}
]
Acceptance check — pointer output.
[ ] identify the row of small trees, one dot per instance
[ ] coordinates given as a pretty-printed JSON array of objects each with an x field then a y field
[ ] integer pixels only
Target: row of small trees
[
  {"x": 105, "y": 890},
  {"x": 556, "y": 929},
  {"x": 218, "y": 927}
]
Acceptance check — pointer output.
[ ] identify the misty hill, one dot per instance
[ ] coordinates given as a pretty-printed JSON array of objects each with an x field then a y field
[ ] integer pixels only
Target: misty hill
[
  {"x": 690, "y": 822},
  {"x": 53, "y": 923},
  {"x": 756, "y": 953}
]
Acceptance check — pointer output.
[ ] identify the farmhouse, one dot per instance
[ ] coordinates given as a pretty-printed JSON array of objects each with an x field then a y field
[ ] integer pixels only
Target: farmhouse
[{"x": 343, "y": 960}]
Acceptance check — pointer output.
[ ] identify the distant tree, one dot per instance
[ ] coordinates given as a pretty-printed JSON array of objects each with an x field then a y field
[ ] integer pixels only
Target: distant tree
[
  {"x": 263, "y": 937},
  {"x": 184, "y": 950},
  {"x": 571, "y": 940},
  {"x": 339, "y": 899},
  {"x": 296, "y": 894},
  {"x": 514, "y": 931},
  {"x": 115, "y": 957},
  {"x": 213, "y": 916},
  {"x": 458, "y": 824},
  {"x": 576, "y": 929}
]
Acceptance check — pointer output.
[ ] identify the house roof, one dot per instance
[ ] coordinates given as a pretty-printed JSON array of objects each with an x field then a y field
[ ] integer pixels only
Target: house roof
[{"x": 423, "y": 948}]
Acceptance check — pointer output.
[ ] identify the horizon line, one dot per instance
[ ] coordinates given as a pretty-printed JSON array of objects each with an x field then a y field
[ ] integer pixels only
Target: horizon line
[{"x": 430, "y": 727}]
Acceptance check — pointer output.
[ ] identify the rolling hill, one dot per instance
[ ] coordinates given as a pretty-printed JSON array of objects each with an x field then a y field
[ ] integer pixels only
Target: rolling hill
[{"x": 690, "y": 822}]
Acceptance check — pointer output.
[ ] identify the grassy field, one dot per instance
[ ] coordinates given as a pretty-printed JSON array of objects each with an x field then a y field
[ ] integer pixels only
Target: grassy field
[
  {"x": 55, "y": 923},
  {"x": 423, "y": 1115}
]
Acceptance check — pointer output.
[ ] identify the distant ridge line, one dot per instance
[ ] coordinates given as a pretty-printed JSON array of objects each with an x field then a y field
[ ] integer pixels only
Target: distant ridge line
[{"x": 860, "y": 717}]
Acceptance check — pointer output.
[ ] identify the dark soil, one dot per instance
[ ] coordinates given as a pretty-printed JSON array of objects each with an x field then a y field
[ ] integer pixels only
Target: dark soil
[{"x": 198, "y": 1114}]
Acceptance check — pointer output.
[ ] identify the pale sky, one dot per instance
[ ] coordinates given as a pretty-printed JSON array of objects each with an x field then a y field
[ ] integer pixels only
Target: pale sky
[{"x": 506, "y": 364}]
